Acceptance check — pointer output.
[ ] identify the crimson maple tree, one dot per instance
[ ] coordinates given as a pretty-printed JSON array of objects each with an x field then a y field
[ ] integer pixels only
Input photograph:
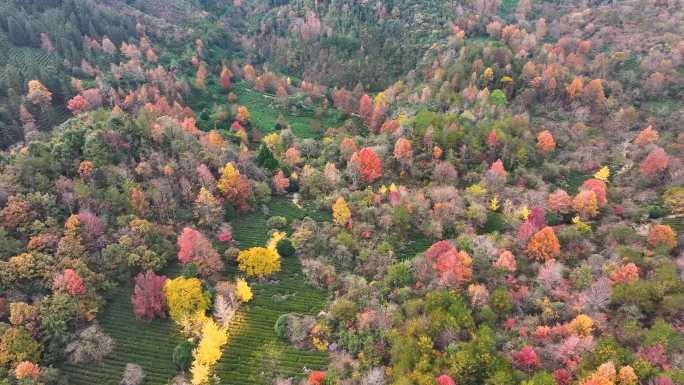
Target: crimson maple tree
[
  {"x": 366, "y": 164},
  {"x": 194, "y": 247},
  {"x": 148, "y": 297}
]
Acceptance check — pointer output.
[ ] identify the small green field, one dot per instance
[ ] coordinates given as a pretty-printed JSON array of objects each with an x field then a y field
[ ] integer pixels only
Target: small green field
[
  {"x": 677, "y": 224},
  {"x": 572, "y": 181},
  {"x": 265, "y": 112},
  {"x": 508, "y": 7},
  {"x": 27, "y": 61},
  {"x": 252, "y": 330},
  {"x": 149, "y": 345},
  {"x": 250, "y": 230},
  {"x": 407, "y": 250}
]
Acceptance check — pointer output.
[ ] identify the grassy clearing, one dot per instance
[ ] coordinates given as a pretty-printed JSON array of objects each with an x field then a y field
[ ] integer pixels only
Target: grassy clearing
[
  {"x": 149, "y": 345},
  {"x": 508, "y": 8},
  {"x": 264, "y": 110},
  {"x": 408, "y": 249},
  {"x": 572, "y": 181},
  {"x": 251, "y": 230},
  {"x": 252, "y": 332},
  {"x": 677, "y": 224}
]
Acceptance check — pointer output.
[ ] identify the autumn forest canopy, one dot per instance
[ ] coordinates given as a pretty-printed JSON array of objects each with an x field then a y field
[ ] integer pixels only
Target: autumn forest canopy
[{"x": 341, "y": 192}]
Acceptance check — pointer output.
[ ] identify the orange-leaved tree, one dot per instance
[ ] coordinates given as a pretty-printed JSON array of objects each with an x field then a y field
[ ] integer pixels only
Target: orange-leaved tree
[
  {"x": 225, "y": 77},
  {"x": 662, "y": 236},
  {"x": 543, "y": 245},
  {"x": 585, "y": 204},
  {"x": 365, "y": 165},
  {"x": 235, "y": 187},
  {"x": 545, "y": 142}
]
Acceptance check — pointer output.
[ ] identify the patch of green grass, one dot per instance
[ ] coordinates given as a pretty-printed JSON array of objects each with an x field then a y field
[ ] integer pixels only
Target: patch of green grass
[
  {"x": 571, "y": 182},
  {"x": 677, "y": 224},
  {"x": 252, "y": 330},
  {"x": 508, "y": 8},
  {"x": 250, "y": 229},
  {"x": 265, "y": 111},
  {"x": 415, "y": 245}
]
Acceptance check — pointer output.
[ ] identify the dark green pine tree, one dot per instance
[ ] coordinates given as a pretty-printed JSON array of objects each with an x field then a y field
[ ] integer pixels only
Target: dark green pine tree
[
  {"x": 265, "y": 158},
  {"x": 15, "y": 32}
]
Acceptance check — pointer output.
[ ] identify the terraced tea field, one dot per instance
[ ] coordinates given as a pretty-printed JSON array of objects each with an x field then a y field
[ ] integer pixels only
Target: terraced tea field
[
  {"x": 677, "y": 223},
  {"x": 265, "y": 111},
  {"x": 251, "y": 332},
  {"x": 411, "y": 247},
  {"x": 151, "y": 344}
]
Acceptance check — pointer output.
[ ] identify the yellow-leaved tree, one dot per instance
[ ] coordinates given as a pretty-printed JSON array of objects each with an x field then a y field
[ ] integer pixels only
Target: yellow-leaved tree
[
  {"x": 185, "y": 298},
  {"x": 582, "y": 325},
  {"x": 259, "y": 262},
  {"x": 243, "y": 291},
  {"x": 229, "y": 176},
  {"x": 341, "y": 212},
  {"x": 275, "y": 238},
  {"x": 235, "y": 187},
  {"x": 208, "y": 351},
  {"x": 207, "y": 209},
  {"x": 603, "y": 174},
  {"x": 200, "y": 373}
]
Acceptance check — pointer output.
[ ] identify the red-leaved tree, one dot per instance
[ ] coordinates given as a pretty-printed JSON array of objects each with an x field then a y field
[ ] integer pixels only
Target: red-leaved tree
[
  {"x": 343, "y": 100},
  {"x": 70, "y": 282},
  {"x": 599, "y": 188},
  {"x": 366, "y": 108},
  {"x": 316, "y": 377},
  {"x": 655, "y": 162},
  {"x": 366, "y": 165},
  {"x": 452, "y": 266},
  {"x": 497, "y": 169},
  {"x": 194, "y": 247},
  {"x": 559, "y": 201},
  {"x": 280, "y": 182},
  {"x": 527, "y": 358},
  {"x": 444, "y": 379},
  {"x": 78, "y": 105},
  {"x": 225, "y": 78},
  {"x": 148, "y": 297}
]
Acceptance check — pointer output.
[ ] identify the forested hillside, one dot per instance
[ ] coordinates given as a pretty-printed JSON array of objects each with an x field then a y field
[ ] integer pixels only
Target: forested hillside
[{"x": 365, "y": 192}]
